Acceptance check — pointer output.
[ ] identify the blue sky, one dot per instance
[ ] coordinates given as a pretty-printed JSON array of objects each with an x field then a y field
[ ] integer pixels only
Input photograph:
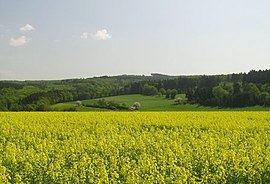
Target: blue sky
[{"x": 73, "y": 39}]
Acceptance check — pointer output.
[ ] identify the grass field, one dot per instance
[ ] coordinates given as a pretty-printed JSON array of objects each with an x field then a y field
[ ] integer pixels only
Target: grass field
[
  {"x": 135, "y": 147},
  {"x": 152, "y": 103}
]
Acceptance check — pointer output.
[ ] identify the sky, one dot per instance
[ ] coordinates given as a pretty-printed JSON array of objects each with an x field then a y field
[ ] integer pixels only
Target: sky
[{"x": 85, "y": 38}]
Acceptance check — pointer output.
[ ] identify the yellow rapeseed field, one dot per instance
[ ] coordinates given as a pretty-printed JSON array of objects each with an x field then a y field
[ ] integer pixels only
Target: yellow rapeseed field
[{"x": 135, "y": 147}]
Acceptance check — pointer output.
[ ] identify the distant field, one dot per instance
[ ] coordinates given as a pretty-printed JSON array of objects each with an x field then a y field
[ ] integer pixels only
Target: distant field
[
  {"x": 135, "y": 147},
  {"x": 152, "y": 103}
]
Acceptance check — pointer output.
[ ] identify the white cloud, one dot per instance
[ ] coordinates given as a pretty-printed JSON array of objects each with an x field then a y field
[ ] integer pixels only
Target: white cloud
[
  {"x": 101, "y": 35},
  {"x": 18, "y": 41},
  {"x": 27, "y": 27},
  {"x": 84, "y": 35}
]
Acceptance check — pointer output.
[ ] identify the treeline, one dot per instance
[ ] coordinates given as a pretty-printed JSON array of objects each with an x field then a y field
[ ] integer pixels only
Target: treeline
[
  {"x": 233, "y": 90},
  {"x": 238, "y": 90}
]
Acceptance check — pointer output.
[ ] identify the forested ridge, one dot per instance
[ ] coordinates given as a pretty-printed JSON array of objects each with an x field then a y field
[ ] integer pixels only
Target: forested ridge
[{"x": 231, "y": 90}]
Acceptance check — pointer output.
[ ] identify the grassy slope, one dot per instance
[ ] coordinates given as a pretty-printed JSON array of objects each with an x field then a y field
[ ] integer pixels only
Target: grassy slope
[{"x": 153, "y": 103}]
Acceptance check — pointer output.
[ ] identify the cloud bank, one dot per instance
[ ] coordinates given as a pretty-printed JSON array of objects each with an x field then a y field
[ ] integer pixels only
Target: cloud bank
[{"x": 18, "y": 41}]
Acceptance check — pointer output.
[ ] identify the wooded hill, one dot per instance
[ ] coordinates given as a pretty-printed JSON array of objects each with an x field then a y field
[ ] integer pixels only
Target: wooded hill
[{"x": 231, "y": 90}]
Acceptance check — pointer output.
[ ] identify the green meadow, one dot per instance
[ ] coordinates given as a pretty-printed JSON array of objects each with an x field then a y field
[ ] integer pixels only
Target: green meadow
[{"x": 149, "y": 103}]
